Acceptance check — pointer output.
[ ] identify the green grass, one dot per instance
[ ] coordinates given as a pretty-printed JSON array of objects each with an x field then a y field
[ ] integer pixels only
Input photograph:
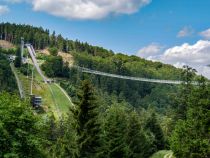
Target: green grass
[
  {"x": 53, "y": 99},
  {"x": 61, "y": 100},
  {"x": 161, "y": 154}
]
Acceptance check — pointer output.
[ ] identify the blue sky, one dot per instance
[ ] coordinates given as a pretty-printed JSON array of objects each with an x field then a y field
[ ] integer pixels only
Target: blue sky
[{"x": 147, "y": 28}]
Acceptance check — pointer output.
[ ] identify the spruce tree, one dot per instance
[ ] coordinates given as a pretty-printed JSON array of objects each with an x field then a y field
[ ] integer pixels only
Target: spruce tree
[
  {"x": 153, "y": 125},
  {"x": 65, "y": 144},
  {"x": 182, "y": 99},
  {"x": 191, "y": 136},
  {"x": 88, "y": 126},
  {"x": 140, "y": 143},
  {"x": 115, "y": 129}
]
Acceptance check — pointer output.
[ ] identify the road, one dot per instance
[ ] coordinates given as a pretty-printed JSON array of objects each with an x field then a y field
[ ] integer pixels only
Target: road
[{"x": 20, "y": 87}]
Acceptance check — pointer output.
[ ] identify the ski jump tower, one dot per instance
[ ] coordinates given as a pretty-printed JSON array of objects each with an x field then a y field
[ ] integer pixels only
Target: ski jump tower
[{"x": 22, "y": 48}]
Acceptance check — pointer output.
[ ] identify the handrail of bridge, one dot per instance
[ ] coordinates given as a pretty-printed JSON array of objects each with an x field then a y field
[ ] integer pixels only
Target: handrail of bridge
[{"x": 86, "y": 70}]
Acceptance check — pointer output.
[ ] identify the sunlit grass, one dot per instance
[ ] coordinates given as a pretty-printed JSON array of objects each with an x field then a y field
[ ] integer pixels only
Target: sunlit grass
[{"x": 53, "y": 99}]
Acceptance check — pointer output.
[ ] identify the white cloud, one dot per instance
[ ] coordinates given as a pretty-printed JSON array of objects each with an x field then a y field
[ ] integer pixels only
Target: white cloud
[
  {"x": 85, "y": 9},
  {"x": 150, "y": 50},
  {"x": 196, "y": 56},
  {"x": 205, "y": 34},
  {"x": 3, "y": 9},
  {"x": 185, "y": 32}
]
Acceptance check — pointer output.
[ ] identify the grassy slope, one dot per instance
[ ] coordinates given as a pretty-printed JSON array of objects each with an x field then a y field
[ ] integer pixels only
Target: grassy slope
[
  {"x": 61, "y": 100},
  {"x": 53, "y": 98}
]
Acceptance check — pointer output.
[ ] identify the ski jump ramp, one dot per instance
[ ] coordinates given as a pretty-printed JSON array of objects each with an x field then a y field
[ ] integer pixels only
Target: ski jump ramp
[{"x": 33, "y": 57}]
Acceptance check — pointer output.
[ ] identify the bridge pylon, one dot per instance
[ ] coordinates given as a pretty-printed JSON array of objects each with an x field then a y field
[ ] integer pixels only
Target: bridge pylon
[{"x": 22, "y": 48}]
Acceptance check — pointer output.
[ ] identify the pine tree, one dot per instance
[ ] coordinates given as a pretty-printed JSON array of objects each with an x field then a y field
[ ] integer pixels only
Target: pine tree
[
  {"x": 140, "y": 143},
  {"x": 191, "y": 136},
  {"x": 88, "y": 127},
  {"x": 65, "y": 144},
  {"x": 115, "y": 128},
  {"x": 182, "y": 99},
  {"x": 153, "y": 125}
]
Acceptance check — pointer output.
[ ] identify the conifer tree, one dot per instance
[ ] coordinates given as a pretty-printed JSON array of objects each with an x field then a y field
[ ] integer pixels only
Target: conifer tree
[
  {"x": 65, "y": 144},
  {"x": 115, "y": 133},
  {"x": 140, "y": 143},
  {"x": 153, "y": 125},
  {"x": 88, "y": 126},
  {"x": 182, "y": 99},
  {"x": 191, "y": 136}
]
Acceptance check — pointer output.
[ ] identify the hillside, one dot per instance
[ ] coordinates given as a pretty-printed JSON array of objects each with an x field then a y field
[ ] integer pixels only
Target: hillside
[
  {"x": 6, "y": 45},
  {"x": 111, "y": 117},
  {"x": 98, "y": 58}
]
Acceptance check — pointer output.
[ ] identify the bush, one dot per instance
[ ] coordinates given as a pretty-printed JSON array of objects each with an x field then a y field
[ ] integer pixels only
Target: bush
[
  {"x": 53, "y": 51},
  {"x": 26, "y": 69}
]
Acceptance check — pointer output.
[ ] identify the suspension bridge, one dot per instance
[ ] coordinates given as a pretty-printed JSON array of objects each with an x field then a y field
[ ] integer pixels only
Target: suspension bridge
[
  {"x": 86, "y": 70},
  {"x": 32, "y": 53}
]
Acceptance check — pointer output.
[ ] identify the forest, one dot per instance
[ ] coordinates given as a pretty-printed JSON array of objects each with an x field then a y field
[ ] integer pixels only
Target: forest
[
  {"x": 112, "y": 118},
  {"x": 7, "y": 80}
]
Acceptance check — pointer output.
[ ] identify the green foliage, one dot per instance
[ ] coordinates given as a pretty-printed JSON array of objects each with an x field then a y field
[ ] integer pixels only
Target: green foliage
[
  {"x": 98, "y": 58},
  {"x": 41, "y": 39},
  {"x": 153, "y": 125},
  {"x": 124, "y": 134},
  {"x": 62, "y": 136},
  {"x": 18, "y": 59},
  {"x": 182, "y": 98},
  {"x": 7, "y": 79},
  {"x": 191, "y": 135},
  {"x": 8, "y": 51},
  {"x": 143, "y": 94},
  {"x": 140, "y": 142},
  {"x": 26, "y": 69},
  {"x": 38, "y": 37},
  {"x": 54, "y": 67},
  {"x": 115, "y": 127},
  {"x": 53, "y": 51},
  {"x": 88, "y": 127},
  {"x": 20, "y": 135}
]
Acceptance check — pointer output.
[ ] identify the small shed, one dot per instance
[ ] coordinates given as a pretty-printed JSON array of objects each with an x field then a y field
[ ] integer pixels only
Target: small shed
[{"x": 36, "y": 101}]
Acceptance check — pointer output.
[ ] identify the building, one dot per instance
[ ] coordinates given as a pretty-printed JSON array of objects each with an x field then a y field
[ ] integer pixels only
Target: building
[{"x": 36, "y": 101}]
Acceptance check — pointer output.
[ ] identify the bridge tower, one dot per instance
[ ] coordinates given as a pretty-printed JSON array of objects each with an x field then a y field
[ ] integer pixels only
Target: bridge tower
[{"x": 22, "y": 48}]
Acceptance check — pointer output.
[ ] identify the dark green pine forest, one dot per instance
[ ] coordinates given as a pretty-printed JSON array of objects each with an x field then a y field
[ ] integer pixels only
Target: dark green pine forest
[{"x": 112, "y": 118}]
